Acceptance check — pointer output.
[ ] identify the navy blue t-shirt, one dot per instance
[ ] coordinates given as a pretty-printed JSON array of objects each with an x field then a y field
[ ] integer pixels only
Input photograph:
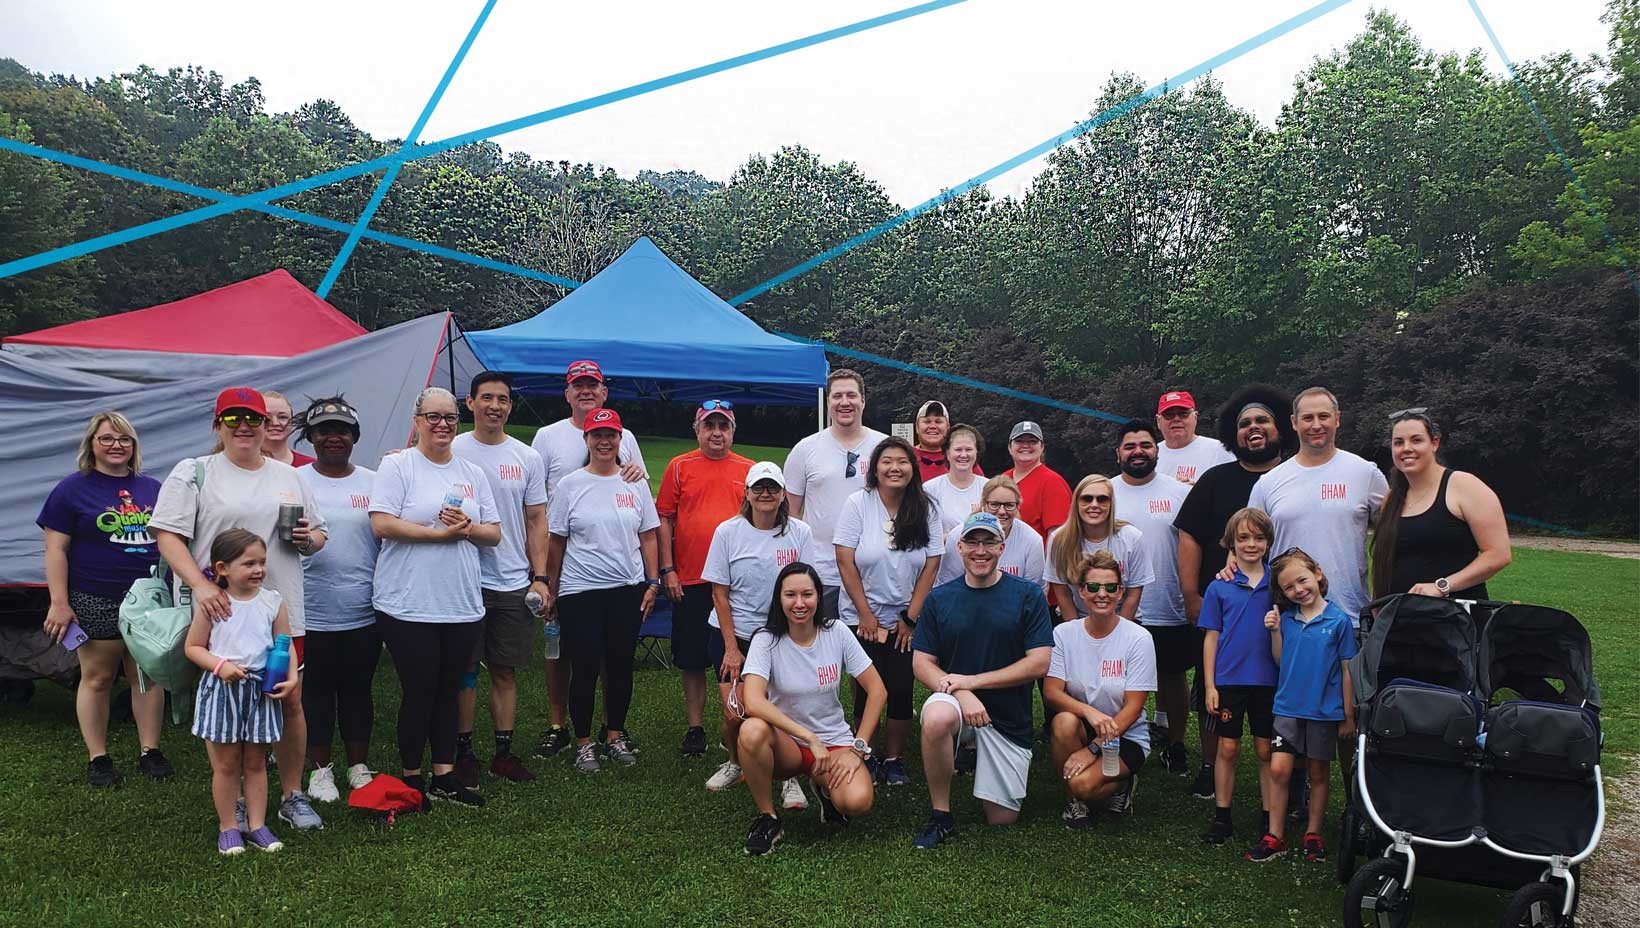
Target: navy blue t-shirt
[
  {"x": 106, "y": 520},
  {"x": 972, "y": 631}
]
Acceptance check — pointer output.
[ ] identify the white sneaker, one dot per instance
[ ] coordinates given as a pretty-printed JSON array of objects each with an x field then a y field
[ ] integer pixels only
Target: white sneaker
[
  {"x": 726, "y": 777},
  {"x": 792, "y": 796},
  {"x": 322, "y": 784},
  {"x": 359, "y": 776}
]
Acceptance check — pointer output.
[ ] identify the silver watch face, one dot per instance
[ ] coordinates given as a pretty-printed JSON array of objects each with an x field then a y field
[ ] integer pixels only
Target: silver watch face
[{"x": 861, "y": 746}]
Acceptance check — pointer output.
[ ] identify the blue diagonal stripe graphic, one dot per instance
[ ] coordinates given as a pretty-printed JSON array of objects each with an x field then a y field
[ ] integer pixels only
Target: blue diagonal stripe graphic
[
  {"x": 247, "y": 201},
  {"x": 410, "y": 141},
  {"x": 1042, "y": 148}
]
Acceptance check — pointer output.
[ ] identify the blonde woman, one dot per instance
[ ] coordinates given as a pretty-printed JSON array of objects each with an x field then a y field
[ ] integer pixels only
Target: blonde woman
[
  {"x": 1093, "y": 526},
  {"x": 280, "y": 429}
]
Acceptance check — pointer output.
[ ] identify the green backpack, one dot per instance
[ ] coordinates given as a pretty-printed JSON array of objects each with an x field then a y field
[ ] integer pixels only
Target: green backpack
[{"x": 154, "y": 628}]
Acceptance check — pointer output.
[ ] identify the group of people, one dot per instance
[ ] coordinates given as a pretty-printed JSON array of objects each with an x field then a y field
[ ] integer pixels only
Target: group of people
[{"x": 889, "y": 561}]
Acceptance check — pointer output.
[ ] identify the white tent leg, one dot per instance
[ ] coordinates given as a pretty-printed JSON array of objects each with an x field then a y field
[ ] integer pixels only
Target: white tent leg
[{"x": 820, "y": 408}]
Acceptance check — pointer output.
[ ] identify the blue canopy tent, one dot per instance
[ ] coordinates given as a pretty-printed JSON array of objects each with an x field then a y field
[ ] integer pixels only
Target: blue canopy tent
[{"x": 658, "y": 334}]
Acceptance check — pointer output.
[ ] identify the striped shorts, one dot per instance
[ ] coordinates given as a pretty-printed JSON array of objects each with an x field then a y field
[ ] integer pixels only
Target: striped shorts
[{"x": 236, "y": 713}]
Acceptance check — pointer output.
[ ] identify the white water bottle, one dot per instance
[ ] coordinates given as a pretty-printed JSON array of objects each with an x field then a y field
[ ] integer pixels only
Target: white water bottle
[{"x": 1110, "y": 758}]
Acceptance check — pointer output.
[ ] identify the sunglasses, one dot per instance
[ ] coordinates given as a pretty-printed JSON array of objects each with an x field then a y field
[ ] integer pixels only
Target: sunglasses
[
  {"x": 1102, "y": 499},
  {"x": 109, "y": 441},
  {"x": 1288, "y": 553},
  {"x": 713, "y": 405},
  {"x": 853, "y": 461},
  {"x": 1410, "y": 412},
  {"x": 233, "y": 419},
  {"x": 1096, "y": 587},
  {"x": 765, "y": 489},
  {"x": 440, "y": 418}
]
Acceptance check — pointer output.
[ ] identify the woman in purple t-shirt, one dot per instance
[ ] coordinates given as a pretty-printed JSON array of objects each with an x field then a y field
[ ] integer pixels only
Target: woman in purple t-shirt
[{"x": 97, "y": 542}]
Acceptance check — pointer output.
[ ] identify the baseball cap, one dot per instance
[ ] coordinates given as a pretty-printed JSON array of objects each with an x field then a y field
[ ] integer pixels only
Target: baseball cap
[
  {"x": 331, "y": 412},
  {"x": 722, "y": 408},
  {"x": 584, "y": 369},
  {"x": 240, "y": 398},
  {"x": 1022, "y": 429},
  {"x": 602, "y": 419},
  {"x": 933, "y": 408},
  {"x": 1175, "y": 399},
  {"x": 766, "y": 470},
  {"x": 981, "y": 522}
]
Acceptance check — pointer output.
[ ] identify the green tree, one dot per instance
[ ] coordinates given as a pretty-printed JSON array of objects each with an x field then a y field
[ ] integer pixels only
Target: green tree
[
  {"x": 39, "y": 211},
  {"x": 1610, "y": 175}
]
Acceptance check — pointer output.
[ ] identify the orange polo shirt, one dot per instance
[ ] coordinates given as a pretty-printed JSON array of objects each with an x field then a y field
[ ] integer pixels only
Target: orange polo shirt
[{"x": 698, "y": 494}]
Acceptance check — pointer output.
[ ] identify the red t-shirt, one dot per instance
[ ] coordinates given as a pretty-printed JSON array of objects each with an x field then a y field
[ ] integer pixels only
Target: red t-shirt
[
  {"x": 931, "y": 464},
  {"x": 1044, "y": 499},
  {"x": 698, "y": 494}
]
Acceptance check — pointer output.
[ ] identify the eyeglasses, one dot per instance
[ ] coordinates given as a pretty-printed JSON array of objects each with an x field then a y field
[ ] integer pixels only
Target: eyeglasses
[
  {"x": 1102, "y": 499},
  {"x": 765, "y": 489},
  {"x": 989, "y": 544},
  {"x": 1096, "y": 587},
  {"x": 713, "y": 405},
  {"x": 109, "y": 441},
  {"x": 853, "y": 460},
  {"x": 1001, "y": 507},
  {"x": 440, "y": 418},
  {"x": 233, "y": 419},
  {"x": 1409, "y": 412}
]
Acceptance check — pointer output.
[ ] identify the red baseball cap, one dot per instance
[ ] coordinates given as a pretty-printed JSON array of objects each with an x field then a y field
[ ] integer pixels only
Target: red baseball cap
[
  {"x": 602, "y": 419},
  {"x": 584, "y": 369},
  {"x": 1174, "y": 399},
  {"x": 241, "y": 398}
]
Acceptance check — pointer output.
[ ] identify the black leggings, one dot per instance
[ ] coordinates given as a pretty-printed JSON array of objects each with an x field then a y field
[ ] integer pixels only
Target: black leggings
[
  {"x": 600, "y": 632},
  {"x": 894, "y": 666},
  {"x": 430, "y": 658},
  {"x": 337, "y": 672}
]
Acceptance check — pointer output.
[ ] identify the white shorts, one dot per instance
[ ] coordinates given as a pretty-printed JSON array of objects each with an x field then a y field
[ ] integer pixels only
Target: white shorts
[{"x": 1001, "y": 766}]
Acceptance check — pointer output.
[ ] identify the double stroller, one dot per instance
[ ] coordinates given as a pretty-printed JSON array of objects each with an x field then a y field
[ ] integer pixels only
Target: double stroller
[{"x": 1478, "y": 759}]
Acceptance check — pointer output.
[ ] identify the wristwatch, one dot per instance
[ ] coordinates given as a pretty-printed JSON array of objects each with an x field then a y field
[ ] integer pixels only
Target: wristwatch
[
  {"x": 905, "y": 616},
  {"x": 540, "y": 578},
  {"x": 1444, "y": 585},
  {"x": 861, "y": 748},
  {"x": 668, "y": 570}
]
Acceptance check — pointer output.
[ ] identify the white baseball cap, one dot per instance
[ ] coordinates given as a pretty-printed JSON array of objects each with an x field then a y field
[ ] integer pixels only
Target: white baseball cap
[{"x": 766, "y": 470}]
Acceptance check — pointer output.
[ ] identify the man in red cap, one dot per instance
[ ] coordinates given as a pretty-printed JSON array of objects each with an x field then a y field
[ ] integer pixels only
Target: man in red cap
[{"x": 1184, "y": 455}]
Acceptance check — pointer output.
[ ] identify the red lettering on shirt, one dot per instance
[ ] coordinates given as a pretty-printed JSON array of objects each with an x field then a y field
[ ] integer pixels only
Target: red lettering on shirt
[
  {"x": 360, "y": 500},
  {"x": 467, "y": 490},
  {"x": 1185, "y": 473},
  {"x": 626, "y": 501},
  {"x": 784, "y": 556},
  {"x": 1112, "y": 668},
  {"x": 829, "y": 674},
  {"x": 1334, "y": 491},
  {"x": 1164, "y": 506},
  {"x": 1011, "y": 570},
  {"x": 511, "y": 471}
]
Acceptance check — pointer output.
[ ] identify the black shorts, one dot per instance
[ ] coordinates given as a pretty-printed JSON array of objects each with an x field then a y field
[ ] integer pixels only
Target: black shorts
[
  {"x": 1131, "y": 752},
  {"x": 828, "y": 601},
  {"x": 509, "y": 629},
  {"x": 715, "y": 650},
  {"x": 1254, "y": 703},
  {"x": 689, "y": 629},
  {"x": 1178, "y": 647}
]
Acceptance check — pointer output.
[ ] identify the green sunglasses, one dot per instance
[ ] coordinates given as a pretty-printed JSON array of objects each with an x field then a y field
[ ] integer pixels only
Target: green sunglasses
[{"x": 1096, "y": 587}]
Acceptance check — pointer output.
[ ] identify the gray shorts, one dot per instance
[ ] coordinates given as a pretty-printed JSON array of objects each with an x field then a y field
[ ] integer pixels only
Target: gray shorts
[
  {"x": 1001, "y": 767},
  {"x": 509, "y": 630},
  {"x": 1305, "y": 737}
]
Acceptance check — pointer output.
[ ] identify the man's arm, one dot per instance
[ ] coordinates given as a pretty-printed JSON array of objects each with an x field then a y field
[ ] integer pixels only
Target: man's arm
[
  {"x": 1190, "y": 565},
  {"x": 926, "y": 668},
  {"x": 1027, "y": 669}
]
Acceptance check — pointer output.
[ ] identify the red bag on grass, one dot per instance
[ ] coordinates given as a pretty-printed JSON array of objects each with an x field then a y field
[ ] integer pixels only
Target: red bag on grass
[{"x": 386, "y": 793}]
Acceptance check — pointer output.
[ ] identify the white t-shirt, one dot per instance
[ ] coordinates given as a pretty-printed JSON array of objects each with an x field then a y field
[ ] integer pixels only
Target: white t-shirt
[
  {"x": 425, "y": 581},
  {"x": 815, "y": 471},
  {"x": 234, "y": 497},
  {"x": 340, "y": 579},
  {"x": 517, "y": 479},
  {"x": 1326, "y": 510},
  {"x": 1187, "y": 464},
  {"x": 563, "y": 449},
  {"x": 1151, "y": 509},
  {"x": 803, "y": 681},
  {"x": 955, "y": 504},
  {"x": 888, "y": 575},
  {"x": 246, "y": 635},
  {"x": 600, "y": 518},
  {"x": 1021, "y": 556},
  {"x": 746, "y": 559},
  {"x": 1101, "y": 671},
  {"x": 1125, "y": 544}
]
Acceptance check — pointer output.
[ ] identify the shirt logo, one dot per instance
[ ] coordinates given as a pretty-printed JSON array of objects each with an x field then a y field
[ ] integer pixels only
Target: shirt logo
[
  {"x": 360, "y": 500},
  {"x": 829, "y": 674},
  {"x": 784, "y": 556},
  {"x": 1185, "y": 473},
  {"x": 1113, "y": 668},
  {"x": 1332, "y": 491},
  {"x": 1163, "y": 506},
  {"x": 513, "y": 473},
  {"x": 626, "y": 501},
  {"x": 126, "y": 523},
  {"x": 1012, "y": 570}
]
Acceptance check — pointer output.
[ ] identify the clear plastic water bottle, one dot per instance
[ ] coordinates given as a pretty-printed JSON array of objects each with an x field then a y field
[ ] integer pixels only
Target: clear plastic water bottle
[
  {"x": 534, "y": 602},
  {"x": 1110, "y": 758}
]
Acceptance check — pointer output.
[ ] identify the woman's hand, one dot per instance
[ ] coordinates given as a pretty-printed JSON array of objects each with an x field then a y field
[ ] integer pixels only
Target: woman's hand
[
  {"x": 211, "y": 600},
  {"x": 902, "y": 637},
  {"x": 230, "y": 672},
  {"x": 57, "y": 619},
  {"x": 648, "y": 603},
  {"x": 458, "y": 530},
  {"x": 733, "y": 660},
  {"x": 301, "y": 534},
  {"x": 1076, "y": 763},
  {"x": 1427, "y": 589},
  {"x": 841, "y": 766},
  {"x": 870, "y": 629},
  {"x": 1104, "y": 727}
]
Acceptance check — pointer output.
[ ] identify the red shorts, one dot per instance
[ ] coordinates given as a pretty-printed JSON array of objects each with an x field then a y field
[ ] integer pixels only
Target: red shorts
[
  {"x": 808, "y": 755},
  {"x": 299, "y": 642}
]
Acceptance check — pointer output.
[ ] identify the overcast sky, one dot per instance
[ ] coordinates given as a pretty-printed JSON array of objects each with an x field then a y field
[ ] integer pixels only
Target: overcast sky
[{"x": 920, "y": 105}]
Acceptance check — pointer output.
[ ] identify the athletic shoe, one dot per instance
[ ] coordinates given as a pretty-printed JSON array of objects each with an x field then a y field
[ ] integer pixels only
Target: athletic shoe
[
  {"x": 894, "y": 773},
  {"x": 1178, "y": 763},
  {"x": 935, "y": 832},
  {"x": 509, "y": 767},
  {"x": 586, "y": 758},
  {"x": 359, "y": 776},
  {"x": 1076, "y": 816},
  {"x": 417, "y": 783},
  {"x": 763, "y": 836},
  {"x": 828, "y": 811},
  {"x": 1267, "y": 849},
  {"x": 467, "y": 767},
  {"x": 229, "y": 843},
  {"x": 555, "y": 740},
  {"x": 1315, "y": 851},
  {"x": 154, "y": 763},
  {"x": 448, "y": 788},
  {"x": 100, "y": 772},
  {"x": 620, "y": 751},
  {"x": 874, "y": 768},
  {"x": 298, "y": 811},
  {"x": 967, "y": 758},
  {"x": 631, "y": 742},
  {"x": 1121, "y": 801},
  {"x": 263, "y": 840},
  {"x": 239, "y": 815},
  {"x": 1203, "y": 787},
  {"x": 727, "y": 776},
  {"x": 792, "y": 796},
  {"x": 1219, "y": 831},
  {"x": 322, "y": 784},
  {"x": 1160, "y": 738},
  {"x": 694, "y": 743}
]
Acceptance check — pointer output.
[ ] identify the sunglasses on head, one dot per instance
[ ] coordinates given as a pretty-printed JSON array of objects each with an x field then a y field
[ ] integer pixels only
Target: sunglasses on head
[
  {"x": 853, "y": 460},
  {"x": 712, "y": 405},
  {"x": 1410, "y": 412},
  {"x": 1101, "y": 499},
  {"x": 1096, "y": 587},
  {"x": 233, "y": 419}
]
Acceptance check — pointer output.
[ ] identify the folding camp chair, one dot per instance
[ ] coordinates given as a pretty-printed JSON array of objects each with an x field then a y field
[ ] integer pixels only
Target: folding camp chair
[{"x": 655, "y": 635}]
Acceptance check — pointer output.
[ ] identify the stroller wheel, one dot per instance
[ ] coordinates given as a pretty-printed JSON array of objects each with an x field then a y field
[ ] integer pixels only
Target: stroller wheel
[
  {"x": 1349, "y": 827},
  {"x": 1376, "y": 897},
  {"x": 1536, "y": 905}
]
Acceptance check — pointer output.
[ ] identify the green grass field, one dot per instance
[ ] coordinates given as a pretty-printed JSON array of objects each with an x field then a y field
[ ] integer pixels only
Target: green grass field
[{"x": 649, "y": 846}]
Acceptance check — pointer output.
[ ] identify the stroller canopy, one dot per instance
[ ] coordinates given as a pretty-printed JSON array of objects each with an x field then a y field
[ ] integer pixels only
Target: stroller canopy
[
  {"x": 1527, "y": 648},
  {"x": 1422, "y": 638}
]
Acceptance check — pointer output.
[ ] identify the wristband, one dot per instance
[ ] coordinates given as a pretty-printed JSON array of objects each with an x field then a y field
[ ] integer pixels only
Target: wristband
[
  {"x": 654, "y": 583},
  {"x": 219, "y": 663}
]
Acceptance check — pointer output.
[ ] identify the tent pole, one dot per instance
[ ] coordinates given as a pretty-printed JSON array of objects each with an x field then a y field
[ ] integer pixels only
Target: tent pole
[{"x": 820, "y": 408}]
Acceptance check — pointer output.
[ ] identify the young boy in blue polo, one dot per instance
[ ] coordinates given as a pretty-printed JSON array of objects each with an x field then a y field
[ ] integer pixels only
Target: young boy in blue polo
[
  {"x": 1240, "y": 673},
  {"x": 1312, "y": 639}
]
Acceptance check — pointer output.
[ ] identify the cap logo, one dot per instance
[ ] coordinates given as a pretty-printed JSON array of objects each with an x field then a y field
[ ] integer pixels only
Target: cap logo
[{"x": 602, "y": 415}]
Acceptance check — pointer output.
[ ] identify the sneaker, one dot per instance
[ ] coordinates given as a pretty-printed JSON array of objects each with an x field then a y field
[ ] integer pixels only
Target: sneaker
[
  {"x": 792, "y": 796},
  {"x": 694, "y": 743},
  {"x": 631, "y": 742},
  {"x": 417, "y": 783},
  {"x": 509, "y": 767},
  {"x": 467, "y": 767},
  {"x": 447, "y": 787},
  {"x": 763, "y": 836},
  {"x": 1315, "y": 851},
  {"x": 874, "y": 768},
  {"x": 322, "y": 784},
  {"x": 586, "y": 758},
  {"x": 1178, "y": 763},
  {"x": 1077, "y": 816},
  {"x": 298, "y": 812},
  {"x": 154, "y": 764},
  {"x": 1160, "y": 738},
  {"x": 727, "y": 776},
  {"x": 1268, "y": 848},
  {"x": 620, "y": 751},
  {"x": 1219, "y": 831},
  {"x": 967, "y": 758},
  {"x": 230, "y": 842},
  {"x": 828, "y": 812},
  {"x": 263, "y": 840},
  {"x": 1203, "y": 787},
  {"x": 935, "y": 831},
  {"x": 100, "y": 772},
  {"x": 239, "y": 815},
  {"x": 555, "y": 740},
  {"x": 894, "y": 773},
  {"x": 359, "y": 776},
  {"x": 1121, "y": 801}
]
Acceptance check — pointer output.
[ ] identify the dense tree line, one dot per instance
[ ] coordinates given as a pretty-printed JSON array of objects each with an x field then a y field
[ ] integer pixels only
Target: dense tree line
[{"x": 1403, "y": 233}]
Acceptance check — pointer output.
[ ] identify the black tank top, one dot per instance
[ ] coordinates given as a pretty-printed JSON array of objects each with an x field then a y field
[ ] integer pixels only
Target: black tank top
[{"x": 1434, "y": 544}]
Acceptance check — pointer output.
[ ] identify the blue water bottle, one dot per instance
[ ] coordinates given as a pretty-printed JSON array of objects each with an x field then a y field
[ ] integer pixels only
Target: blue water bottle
[{"x": 277, "y": 668}]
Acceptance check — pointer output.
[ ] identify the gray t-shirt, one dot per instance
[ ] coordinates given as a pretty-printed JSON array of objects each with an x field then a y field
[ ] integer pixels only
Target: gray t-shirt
[{"x": 803, "y": 681}]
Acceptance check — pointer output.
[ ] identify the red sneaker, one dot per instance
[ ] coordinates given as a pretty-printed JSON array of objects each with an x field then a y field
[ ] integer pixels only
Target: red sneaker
[
  {"x": 509, "y": 767},
  {"x": 1314, "y": 850},
  {"x": 1268, "y": 848}
]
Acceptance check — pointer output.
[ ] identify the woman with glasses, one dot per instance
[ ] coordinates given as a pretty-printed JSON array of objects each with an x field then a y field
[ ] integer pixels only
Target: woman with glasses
[
  {"x": 1023, "y": 555},
  {"x": 1094, "y": 527},
  {"x": 958, "y": 490},
  {"x": 281, "y": 424},
  {"x": 888, "y": 546},
  {"x": 97, "y": 543},
  {"x": 237, "y": 487},
  {"x": 432, "y": 511}
]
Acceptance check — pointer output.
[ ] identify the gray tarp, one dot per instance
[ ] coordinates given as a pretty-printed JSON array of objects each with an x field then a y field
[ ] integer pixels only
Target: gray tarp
[{"x": 44, "y": 409}]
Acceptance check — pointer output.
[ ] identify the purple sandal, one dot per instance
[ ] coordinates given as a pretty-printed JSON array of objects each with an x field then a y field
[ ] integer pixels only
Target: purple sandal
[
  {"x": 263, "y": 840},
  {"x": 229, "y": 843}
]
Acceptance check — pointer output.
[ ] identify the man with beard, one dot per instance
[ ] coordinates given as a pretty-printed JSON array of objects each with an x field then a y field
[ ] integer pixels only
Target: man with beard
[
  {"x": 1184, "y": 455},
  {"x": 1253, "y": 426},
  {"x": 1150, "y": 501}
]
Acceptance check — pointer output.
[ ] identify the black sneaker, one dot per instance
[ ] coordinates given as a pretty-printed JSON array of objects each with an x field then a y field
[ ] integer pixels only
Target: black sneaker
[
  {"x": 935, "y": 831},
  {"x": 1219, "y": 831},
  {"x": 554, "y": 741},
  {"x": 419, "y": 784},
  {"x": 155, "y": 765},
  {"x": 967, "y": 759},
  {"x": 763, "y": 836},
  {"x": 1203, "y": 787},
  {"x": 1178, "y": 763},
  {"x": 100, "y": 772},
  {"x": 446, "y": 788},
  {"x": 828, "y": 812},
  {"x": 874, "y": 768},
  {"x": 694, "y": 742}
]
